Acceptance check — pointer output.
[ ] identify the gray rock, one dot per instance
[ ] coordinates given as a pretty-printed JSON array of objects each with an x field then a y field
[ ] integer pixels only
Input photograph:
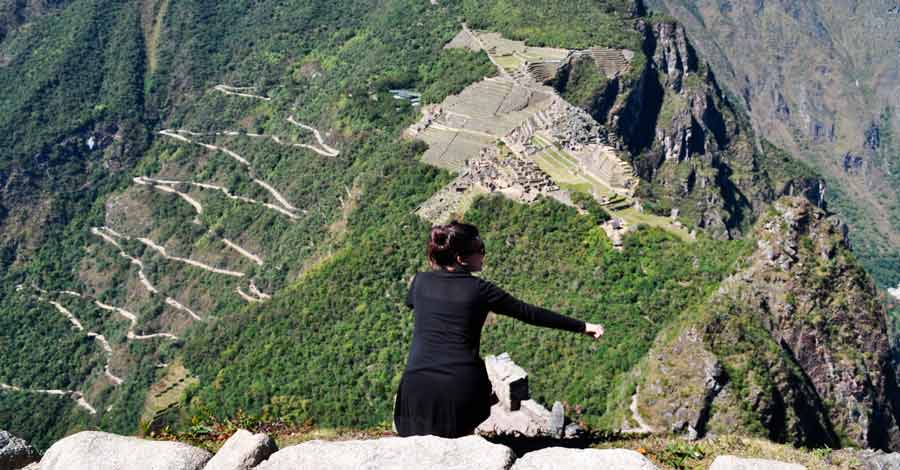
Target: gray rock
[
  {"x": 730, "y": 462},
  {"x": 91, "y": 450},
  {"x": 558, "y": 458},
  {"x": 510, "y": 382},
  {"x": 877, "y": 460},
  {"x": 15, "y": 452},
  {"x": 557, "y": 420},
  {"x": 572, "y": 431},
  {"x": 242, "y": 451},
  {"x": 393, "y": 453}
]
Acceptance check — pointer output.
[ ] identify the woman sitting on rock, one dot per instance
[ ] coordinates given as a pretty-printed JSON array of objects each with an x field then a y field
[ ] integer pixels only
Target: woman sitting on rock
[{"x": 445, "y": 389}]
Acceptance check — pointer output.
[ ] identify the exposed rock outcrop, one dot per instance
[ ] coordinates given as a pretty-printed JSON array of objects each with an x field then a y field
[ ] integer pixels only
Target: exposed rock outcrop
[
  {"x": 817, "y": 80},
  {"x": 557, "y": 458},
  {"x": 793, "y": 347},
  {"x": 91, "y": 450},
  {"x": 876, "y": 460},
  {"x": 15, "y": 453},
  {"x": 687, "y": 142},
  {"x": 242, "y": 451},
  {"x": 393, "y": 453}
]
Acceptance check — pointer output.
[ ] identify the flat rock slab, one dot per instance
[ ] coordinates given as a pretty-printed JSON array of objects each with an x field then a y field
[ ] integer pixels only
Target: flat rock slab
[
  {"x": 92, "y": 450},
  {"x": 877, "y": 460},
  {"x": 393, "y": 453},
  {"x": 730, "y": 462},
  {"x": 15, "y": 452},
  {"x": 559, "y": 458},
  {"x": 242, "y": 451}
]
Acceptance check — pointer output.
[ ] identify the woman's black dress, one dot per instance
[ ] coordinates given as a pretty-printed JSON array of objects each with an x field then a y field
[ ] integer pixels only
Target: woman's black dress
[{"x": 445, "y": 390}]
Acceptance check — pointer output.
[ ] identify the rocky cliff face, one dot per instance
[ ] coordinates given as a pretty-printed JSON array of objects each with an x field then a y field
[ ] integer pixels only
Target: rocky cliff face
[
  {"x": 794, "y": 346},
  {"x": 692, "y": 147},
  {"x": 822, "y": 80}
]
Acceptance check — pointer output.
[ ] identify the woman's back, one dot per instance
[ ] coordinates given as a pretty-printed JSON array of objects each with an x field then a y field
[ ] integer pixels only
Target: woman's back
[{"x": 449, "y": 313}]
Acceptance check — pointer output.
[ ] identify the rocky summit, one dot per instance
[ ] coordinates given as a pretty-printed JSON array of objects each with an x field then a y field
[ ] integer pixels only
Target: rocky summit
[{"x": 765, "y": 352}]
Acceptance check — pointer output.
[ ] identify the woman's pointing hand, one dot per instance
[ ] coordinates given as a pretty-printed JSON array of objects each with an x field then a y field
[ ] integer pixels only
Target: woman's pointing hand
[{"x": 593, "y": 330}]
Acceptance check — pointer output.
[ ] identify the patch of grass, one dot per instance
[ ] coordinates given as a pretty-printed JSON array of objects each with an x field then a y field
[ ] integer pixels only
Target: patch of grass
[{"x": 509, "y": 62}]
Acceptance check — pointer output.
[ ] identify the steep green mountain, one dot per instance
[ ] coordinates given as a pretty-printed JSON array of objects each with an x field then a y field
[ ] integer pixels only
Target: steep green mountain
[
  {"x": 210, "y": 208},
  {"x": 769, "y": 355},
  {"x": 819, "y": 79}
]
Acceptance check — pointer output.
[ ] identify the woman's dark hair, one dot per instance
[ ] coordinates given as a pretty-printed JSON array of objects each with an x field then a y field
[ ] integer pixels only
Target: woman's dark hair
[{"x": 449, "y": 241}]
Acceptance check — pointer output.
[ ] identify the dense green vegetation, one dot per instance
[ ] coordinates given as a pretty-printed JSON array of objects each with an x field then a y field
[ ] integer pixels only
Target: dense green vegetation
[
  {"x": 575, "y": 24},
  {"x": 338, "y": 67},
  {"x": 349, "y": 331}
]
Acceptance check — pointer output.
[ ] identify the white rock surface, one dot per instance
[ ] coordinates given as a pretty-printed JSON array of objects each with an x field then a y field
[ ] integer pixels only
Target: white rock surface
[
  {"x": 878, "y": 460},
  {"x": 242, "y": 451},
  {"x": 393, "y": 453},
  {"x": 559, "y": 458},
  {"x": 91, "y": 450},
  {"x": 730, "y": 462}
]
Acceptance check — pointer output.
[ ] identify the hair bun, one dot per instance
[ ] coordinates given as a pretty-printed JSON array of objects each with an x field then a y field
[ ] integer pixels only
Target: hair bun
[
  {"x": 440, "y": 237},
  {"x": 448, "y": 242}
]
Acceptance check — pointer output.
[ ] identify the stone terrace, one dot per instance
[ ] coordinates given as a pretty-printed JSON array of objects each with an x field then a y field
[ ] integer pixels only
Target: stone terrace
[{"x": 482, "y": 114}]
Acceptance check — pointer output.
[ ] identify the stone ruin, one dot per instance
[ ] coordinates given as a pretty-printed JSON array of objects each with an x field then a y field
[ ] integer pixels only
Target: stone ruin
[
  {"x": 576, "y": 132},
  {"x": 569, "y": 126},
  {"x": 515, "y": 412},
  {"x": 515, "y": 177},
  {"x": 616, "y": 228}
]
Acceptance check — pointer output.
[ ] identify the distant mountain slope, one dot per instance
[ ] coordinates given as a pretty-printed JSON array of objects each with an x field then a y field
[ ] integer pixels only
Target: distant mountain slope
[{"x": 822, "y": 80}]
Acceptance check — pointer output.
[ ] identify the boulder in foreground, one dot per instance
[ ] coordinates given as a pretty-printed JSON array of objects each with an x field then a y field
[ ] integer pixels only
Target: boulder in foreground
[
  {"x": 242, "y": 451},
  {"x": 730, "y": 462},
  {"x": 393, "y": 453},
  {"x": 559, "y": 458},
  {"x": 91, "y": 450}
]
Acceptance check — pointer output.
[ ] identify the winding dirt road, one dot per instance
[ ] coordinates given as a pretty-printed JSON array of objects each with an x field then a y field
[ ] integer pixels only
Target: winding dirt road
[
  {"x": 243, "y": 161},
  {"x": 246, "y": 254},
  {"x": 76, "y": 396},
  {"x": 642, "y": 426},
  {"x": 111, "y": 236},
  {"x": 326, "y": 150},
  {"x": 162, "y": 252},
  {"x": 100, "y": 339},
  {"x": 148, "y": 181},
  {"x": 238, "y": 91}
]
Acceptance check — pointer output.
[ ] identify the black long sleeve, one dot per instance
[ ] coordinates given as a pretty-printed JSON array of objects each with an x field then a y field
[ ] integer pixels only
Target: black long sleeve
[{"x": 501, "y": 302}]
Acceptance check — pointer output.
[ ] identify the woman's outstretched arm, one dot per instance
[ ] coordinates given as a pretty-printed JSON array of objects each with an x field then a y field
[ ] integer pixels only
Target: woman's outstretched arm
[{"x": 501, "y": 302}]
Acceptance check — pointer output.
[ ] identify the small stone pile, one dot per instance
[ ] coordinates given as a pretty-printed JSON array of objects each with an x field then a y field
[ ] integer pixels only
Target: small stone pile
[
  {"x": 615, "y": 229},
  {"x": 515, "y": 412}
]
